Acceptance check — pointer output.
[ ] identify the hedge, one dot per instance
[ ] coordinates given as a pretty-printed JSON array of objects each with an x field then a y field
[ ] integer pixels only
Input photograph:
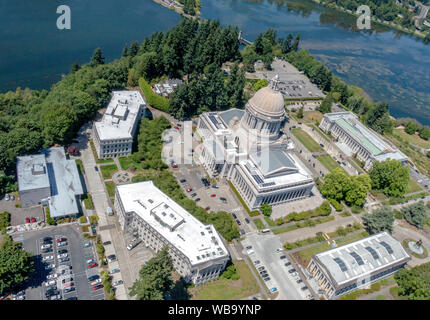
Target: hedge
[
  {"x": 88, "y": 201},
  {"x": 336, "y": 204},
  {"x": 251, "y": 213},
  {"x": 153, "y": 99},
  {"x": 4, "y": 221}
]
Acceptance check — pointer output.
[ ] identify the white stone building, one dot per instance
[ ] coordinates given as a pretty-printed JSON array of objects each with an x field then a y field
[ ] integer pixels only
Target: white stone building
[
  {"x": 197, "y": 251},
  {"x": 113, "y": 135},
  {"x": 248, "y": 148},
  {"x": 358, "y": 264},
  {"x": 358, "y": 140}
]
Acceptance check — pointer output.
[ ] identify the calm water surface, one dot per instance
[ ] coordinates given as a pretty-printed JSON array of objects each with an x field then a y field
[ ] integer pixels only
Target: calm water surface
[{"x": 388, "y": 65}]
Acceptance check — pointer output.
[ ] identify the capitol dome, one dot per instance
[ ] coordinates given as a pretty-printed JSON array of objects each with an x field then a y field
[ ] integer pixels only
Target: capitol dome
[{"x": 267, "y": 102}]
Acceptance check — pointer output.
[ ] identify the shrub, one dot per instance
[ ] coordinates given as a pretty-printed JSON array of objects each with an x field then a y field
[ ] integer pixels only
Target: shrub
[
  {"x": 49, "y": 220},
  {"x": 94, "y": 220},
  {"x": 84, "y": 228},
  {"x": 279, "y": 221},
  {"x": 356, "y": 209},
  {"x": 88, "y": 201},
  {"x": 336, "y": 204},
  {"x": 341, "y": 231},
  {"x": 83, "y": 219},
  {"x": 100, "y": 248},
  {"x": 398, "y": 214}
]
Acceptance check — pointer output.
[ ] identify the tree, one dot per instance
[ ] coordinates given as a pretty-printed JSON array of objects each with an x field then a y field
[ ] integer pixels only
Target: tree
[
  {"x": 15, "y": 265},
  {"x": 97, "y": 58},
  {"x": 424, "y": 133},
  {"x": 411, "y": 127},
  {"x": 266, "y": 209},
  {"x": 260, "y": 84},
  {"x": 155, "y": 278},
  {"x": 296, "y": 42},
  {"x": 286, "y": 46},
  {"x": 325, "y": 106},
  {"x": 134, "y": 49},
  {"x": 379, "y": 220},
  {"x": 415, "y": 214},
  {"x": 300, "y": 113},
  {"x": 75, "y": 67},
  {"x": 358, "y": 188},
  {"x": 414, "y": 282},
  {"x": 390, "y": 177},
  {"x": 336, "y": 184},
  {"x": 124, "y": 53}
]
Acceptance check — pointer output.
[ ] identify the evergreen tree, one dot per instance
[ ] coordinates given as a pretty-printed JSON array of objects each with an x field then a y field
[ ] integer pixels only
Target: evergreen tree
[
  {"x": 124, "y": 53},
  {"x": 134, "y": 48},
  {"x": 286, "y": 46},
  {"x": 295, "y": 45},
  {"x": 97, "y": 58},
  {"x": 379, "y": 220},
  {"x": 75, "y": 67},
  {"x": 259, "y": 46}
]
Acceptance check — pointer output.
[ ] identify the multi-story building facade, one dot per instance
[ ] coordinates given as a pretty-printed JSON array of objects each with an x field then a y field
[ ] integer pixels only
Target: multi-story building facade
[
  {"x": 198, "y": 253},
  {"x": 358, "y": 264},
  {"x": 113, "y": 135},
  {"x": 248, "y": 148},
  {"x": 358, "y": 140}
]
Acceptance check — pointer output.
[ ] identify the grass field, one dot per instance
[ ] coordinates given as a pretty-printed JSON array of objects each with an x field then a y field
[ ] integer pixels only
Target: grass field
[
  {"x": 226, "y": 289},
  {"x": 110, "y": 186},
  {"x": 108, "y": 170},
  {"x": 125, "y": 163},
  {"x": 412, "y": 138},
  {"x": 322, "y": 134},
  {"x": 269, "y": 221},
  {"x": 413, "y": 186},
  {"x": 306, "y": 140},
  {"x": 304, "y": 256},
  {"x": 259, "y": 224},
  {"x": 314, "y": 116},
  {"x": 328, "y": 162}
]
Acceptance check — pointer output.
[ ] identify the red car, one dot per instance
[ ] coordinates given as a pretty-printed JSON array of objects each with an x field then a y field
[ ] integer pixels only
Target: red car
[
  {"x": 189, "y": 190},
  {"x": 61, "y": 239},
  {"x": 27, "y": 220},
  {"x": 99, "y": 286},
  {"x": 33, "y": 219},
  {"x": 176, "y": 127},
  {"x": 174, "y": 166},
  {"x": 92, "y": 265},
  {"x": 207, "y": 208},
  {"x": 213, "y": 195}
]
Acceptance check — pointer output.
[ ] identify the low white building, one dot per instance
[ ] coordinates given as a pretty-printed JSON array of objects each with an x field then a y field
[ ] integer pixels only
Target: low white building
[
  {"x": 358, "y": 264},
  {"x": 248, "y": 148},
  {"x": 197, "y": 251},
  {"x": 359, "y": 140},
  {"x": 113, "y": 135}
]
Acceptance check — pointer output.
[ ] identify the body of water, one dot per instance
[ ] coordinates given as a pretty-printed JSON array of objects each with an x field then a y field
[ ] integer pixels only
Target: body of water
[{"x": 388, "y": 65}]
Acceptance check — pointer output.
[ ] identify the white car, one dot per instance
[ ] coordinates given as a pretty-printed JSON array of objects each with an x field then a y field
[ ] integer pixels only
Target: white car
[
  {"x": 50, "y": 266},
  {"x": 62, "y": 244},
  {"x": 19, "y": 298},
  {"x": 118, "y": 282},
  {"x": 89, "y": 261},
  {"x": 50, "y": 283},
  {"x": 45, "y": 246},
  {"x": 48, "y": 258},
  {"x": 51, "y": 276},
  {"x": 63, "y": 255},
  {"x": 55, "y": 297}
]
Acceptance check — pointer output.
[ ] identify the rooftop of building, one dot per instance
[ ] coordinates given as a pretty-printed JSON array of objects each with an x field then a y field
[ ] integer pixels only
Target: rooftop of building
[
  {"x": 120, "y": 116},
  {"x": 370, "y": 140},
  {"x": 198, "y": 242},
  {"x": 32, "y": 172},
  {"x": 361, "y": 258}
]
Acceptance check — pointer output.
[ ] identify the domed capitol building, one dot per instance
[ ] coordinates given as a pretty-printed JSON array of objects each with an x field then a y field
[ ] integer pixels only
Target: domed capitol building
[{"x": 248, "y": 148}]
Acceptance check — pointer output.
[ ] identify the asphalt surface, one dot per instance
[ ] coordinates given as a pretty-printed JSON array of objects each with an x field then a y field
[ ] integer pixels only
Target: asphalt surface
[{"x": 77, "y": 253}]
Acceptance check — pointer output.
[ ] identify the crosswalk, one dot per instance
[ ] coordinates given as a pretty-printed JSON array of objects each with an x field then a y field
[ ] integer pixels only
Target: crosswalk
[{"x": 235, "y": 209}]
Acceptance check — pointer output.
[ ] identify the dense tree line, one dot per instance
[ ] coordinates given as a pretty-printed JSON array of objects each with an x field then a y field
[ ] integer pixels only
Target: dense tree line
[
  {"x": 413, "y": 126},
  {"x": 414, "y": 282}
]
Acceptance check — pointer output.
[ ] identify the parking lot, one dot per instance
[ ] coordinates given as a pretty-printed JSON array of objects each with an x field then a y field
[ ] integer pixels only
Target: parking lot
[
  {"x": 263, "y": 250},
  {"x": 18, "y": 215},
  {"x": 68, "y": 273}
]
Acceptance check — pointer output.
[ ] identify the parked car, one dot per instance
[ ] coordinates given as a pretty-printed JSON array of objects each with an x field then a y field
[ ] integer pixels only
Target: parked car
[
  {"x": 47, "y": 250},
  {"x": 182, "y": 180},
  {"x": 174, "y": 166},
  {"x": 62, "y": 244},
  {"x": 242, "y": 232},
  {"x": 261, "y": 268},
  {"x": 50, "y": 283},
  {"x": 89, "y": 261},
  {"x": 273, "y": 290},
  {"x": 99, "y": 286},
  {"x": 224, "y": 200},
  {"x": 197, "y": 200},
  {"x": 47, "y": 240},
  {"x": 193, "y": 195},
  {"x": 133, "y": 244},
  {"x": 95, "y": 282},
  {"x": 292, "y": 270},
  {"x": 55, "y": 297},
  {"x": 238, "y": 222},
  {"x": 207, "y": 208},
  {"x": 70, "y": 289},
  {"x": 107, "y": 243},
  {"x": 62, "y": 239},
  {"x": 304, "y": 288},
  {"x": 68, "y": 285},
  {"x": 234, "y": 216},
  {"x": 287, "y": 264},
  {"x": 65, "y": 259},
  {"x": 116, "y": 270},
  {"x": 189, "y": 189},
  {"x": 51, "y": 276},
  {"x": 88, "y": 244},
  {"x": 52, "y": 288},
  {"x": 111, "y": 258},
  {"x": 282, "y": 257},
  {"x": 72, "y": 298},
  {"x": 48, "y": 258},
  {"x": 266, "y": 279},
  {"x": 213, "y": 195},
  {"x": 92, "y": 265},
  {"x": 62, "y": 255},
  {"x": 299, "y": 281},
  {"x": 50, "y": 266},
  {"x": 93, "y": 277},
  {"x": 62, "y": 251},
  {"x": 52, "y": 292},
  {"x": 33, "y": 219},
  {"x": 27, "y": 220},
  {"x": 247, "y": 220},
  {"x": 45, "y": 246},
  {"x": 67, "y": 280},
  {"x": 12, "y": 197},
  {"x": 6, "y": 197},
  {"x": 117, "y": 283}
]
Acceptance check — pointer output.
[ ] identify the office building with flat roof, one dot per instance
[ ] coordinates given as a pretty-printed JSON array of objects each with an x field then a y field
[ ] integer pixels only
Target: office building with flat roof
[
  {"x": 358, "y": 140},
  {"x": 358, "y": 264},
  {"x": 198, "y": 252},
  {"x": 113, "y": 135},
  {"x": 50, "y": 179}
]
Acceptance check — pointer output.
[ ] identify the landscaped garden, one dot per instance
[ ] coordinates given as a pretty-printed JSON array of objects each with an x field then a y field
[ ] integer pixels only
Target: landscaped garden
[{"x": 108, "y": 170}]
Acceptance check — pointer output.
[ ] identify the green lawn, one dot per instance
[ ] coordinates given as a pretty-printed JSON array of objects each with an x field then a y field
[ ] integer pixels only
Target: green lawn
[
  {"x": 302, "y": 224},
  {"x": 105, "y": 160},
  {"x": 413, "y": 186},
  {"x": 125, "y": 163},
  {"x": 259, "y": 224},
  {"x": 269, "y": 221},
  {"x": 226, "y": 289},
  {"x": 110, "y": 186},
  {"x": 412, "y": 138},
  {"x": 283, "y": 229},
  {"x": 314, "y": 116},
  {"x": 306, "y": 254},
  {"x": 306, "y": 140},
  {"x": 80, "y": 165},
  {"x": 322, "y": 134},
  {"x": 88, "y": 201},
  {"x": 328, "y": 162},
  {"x": 108, "y": 170}
]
